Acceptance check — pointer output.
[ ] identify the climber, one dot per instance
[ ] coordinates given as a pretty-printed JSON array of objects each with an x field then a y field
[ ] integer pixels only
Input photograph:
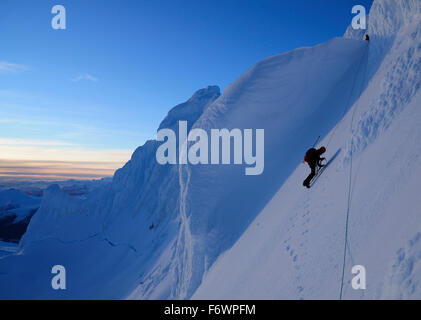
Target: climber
[
  {"x": 313, "y": 159},
  {"x": 367, "y": 38}
]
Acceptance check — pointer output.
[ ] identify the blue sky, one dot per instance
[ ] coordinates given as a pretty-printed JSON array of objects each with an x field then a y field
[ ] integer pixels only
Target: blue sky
[{"x": 107, "y": 81}]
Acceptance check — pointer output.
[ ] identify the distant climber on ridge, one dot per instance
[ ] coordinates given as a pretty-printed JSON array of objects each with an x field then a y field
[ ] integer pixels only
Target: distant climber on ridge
[
  {"x": 367, "y": 38},
  {"x": 313, "y": 159}
]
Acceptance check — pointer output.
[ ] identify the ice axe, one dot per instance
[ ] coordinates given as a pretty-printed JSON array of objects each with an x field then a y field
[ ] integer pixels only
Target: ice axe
[{"x": 317, "y": 140}]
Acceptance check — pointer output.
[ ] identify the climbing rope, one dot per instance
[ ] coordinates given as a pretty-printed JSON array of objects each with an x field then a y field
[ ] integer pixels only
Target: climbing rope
[
  {"x": 349, "y": 100},
  {"x": 350, "y": 183}
]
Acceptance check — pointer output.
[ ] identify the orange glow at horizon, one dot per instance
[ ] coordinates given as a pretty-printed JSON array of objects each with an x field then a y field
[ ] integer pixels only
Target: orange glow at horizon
[{"x": 35, "y": 160}]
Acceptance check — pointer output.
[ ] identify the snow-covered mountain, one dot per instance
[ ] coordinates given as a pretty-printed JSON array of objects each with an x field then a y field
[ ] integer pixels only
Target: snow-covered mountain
[
  {"x": 295, "y": 247},
  {"x": 71, "y": 187},
  {"x": 19, "y": 200},
  {"x": 209, "y": 231},
  {"x": 16, "y": 210},
  {"x": 7, "y": 248}
]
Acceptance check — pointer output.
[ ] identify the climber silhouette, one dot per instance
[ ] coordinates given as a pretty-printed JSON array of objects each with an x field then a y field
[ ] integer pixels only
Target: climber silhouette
[{"x": 313, "y": 159}]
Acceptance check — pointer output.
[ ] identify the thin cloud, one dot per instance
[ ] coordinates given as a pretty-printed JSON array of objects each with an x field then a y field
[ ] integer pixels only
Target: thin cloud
[
  {"x": 57, "y": 170},
  {"x": 30, "y": 142},
  {"x": 85, "y": 76},
  {"x": 58, "y": 151},
  {"x": 7, "y": 67}
]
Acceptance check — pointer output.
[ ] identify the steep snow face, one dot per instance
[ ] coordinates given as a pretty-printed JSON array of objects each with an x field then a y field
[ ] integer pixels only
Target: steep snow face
[
  {"x": 385, "y": 21},
  {"x": 219, "y": 202},
  {"x": 110, "y": 237},
  {"x": 300, "y": 234},
  {"x": 386, "y": 18},
  {"x": 136, "y": 184},
  {"x": 158, "y": 231},
  {"x": 162, "y": 227}
]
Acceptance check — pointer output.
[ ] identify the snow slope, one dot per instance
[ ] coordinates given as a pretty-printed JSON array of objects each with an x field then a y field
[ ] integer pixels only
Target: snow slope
[
  {"x": 108, "y": 238},
  {"x": 170, "y": 223},
  {"x": 7, "y": 248},
  {"x": 16, "y": 210},
  {"x": 295, "y": 247},
  {"x": 204, "y": 230},
  {"x": 15, "y": 202}
]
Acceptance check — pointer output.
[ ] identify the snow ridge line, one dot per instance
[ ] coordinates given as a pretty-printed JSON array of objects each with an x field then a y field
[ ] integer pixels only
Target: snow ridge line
[{"x": 350, "y": 178}]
